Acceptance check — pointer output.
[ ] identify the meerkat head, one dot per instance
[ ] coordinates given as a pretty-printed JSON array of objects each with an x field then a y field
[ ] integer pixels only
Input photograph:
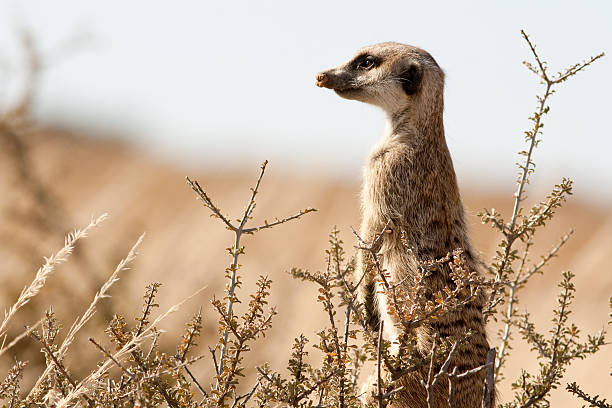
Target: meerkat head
[{"x": 393, "y": 76}]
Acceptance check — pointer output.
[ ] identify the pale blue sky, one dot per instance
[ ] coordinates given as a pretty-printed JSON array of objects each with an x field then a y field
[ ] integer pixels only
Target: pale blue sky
[{"x": 232, "y": 83}]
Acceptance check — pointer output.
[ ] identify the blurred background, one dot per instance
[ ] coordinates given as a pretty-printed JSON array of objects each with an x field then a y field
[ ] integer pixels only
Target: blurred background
[{"x": 116, "y": 102}]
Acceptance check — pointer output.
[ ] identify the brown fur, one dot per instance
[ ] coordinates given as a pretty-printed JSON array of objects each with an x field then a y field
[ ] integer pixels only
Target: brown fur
[{"x": 409, "y": 179}]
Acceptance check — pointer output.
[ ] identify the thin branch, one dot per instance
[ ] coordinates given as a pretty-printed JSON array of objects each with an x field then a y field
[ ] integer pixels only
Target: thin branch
[
  {"x": 231, "y": 293},
  {"x": 195, "y": 381},
  {"x": 491, "y": 217},
  {"x": 147, "y": 309},
  {"x": 573, "y": 70},
  {"x": 249, "y": 394},
  {"x": 542, "y": 65},
  {"x": 264, "y": 374},
  {"x": 208, "y": 203},
  {"x": 52, "y": 356},
  {"x": 473, "y": 371},
  {"x": 113, "y": 359},
  {"x": 278, "y": 222},
  {"x": 307, "y": 391},
  {"x": 551, "y": 254},
  {"x": 60, "y": 366},
  {"x": 376, "y": 241},
  {"x": 251, "y": 206},
  {"x": 20, "y": 337},
  {"x": 505, "y": 338},
  {"x": 428, "y": 385},
  {"x": 214, "y": 357},
  {"x": 381, "y": 403},
  {"x": 153, "y": 344},
  {"x": 594, "y": 401}
]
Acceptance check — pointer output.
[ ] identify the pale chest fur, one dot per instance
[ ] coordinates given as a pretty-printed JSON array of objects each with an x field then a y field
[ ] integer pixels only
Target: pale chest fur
[{"x": 389, "y": 192}]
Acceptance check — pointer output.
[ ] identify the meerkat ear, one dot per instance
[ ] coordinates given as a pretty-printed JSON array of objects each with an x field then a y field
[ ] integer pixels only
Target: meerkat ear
[{"x": 411, "y": 79}]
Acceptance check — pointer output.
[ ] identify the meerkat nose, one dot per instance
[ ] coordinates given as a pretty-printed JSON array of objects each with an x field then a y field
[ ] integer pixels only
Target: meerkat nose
[{"x": 322, "y": 79}]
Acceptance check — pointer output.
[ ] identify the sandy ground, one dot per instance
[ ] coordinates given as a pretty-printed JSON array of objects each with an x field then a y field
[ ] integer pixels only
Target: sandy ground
[{"x": 184, "y": 249}]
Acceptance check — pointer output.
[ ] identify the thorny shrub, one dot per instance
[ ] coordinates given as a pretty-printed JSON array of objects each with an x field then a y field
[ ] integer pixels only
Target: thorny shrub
[{"x": 145, "y": 375}]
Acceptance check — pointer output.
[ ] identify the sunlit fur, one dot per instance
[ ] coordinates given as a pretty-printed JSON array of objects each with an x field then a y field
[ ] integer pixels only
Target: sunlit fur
[{"x": 409, "y": 179}]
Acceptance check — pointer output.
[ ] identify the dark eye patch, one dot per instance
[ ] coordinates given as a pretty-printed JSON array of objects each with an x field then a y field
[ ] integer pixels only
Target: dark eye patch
[{"x": 365, "y": 61}]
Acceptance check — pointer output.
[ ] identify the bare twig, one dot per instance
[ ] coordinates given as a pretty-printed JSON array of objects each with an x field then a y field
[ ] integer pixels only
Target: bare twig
[
  {"x": 278, "y": 222},
  {"x": 60, "y": 366},
  {"x": 246, "y": 397},
  {"x": 204, "y": 393},
  {"x": 430, "y": 378},
  {"x": 113, "y": 359},
  {"x": 594, "y": 401},
  {"x": 379, "y": 396},
  {"x": 208, "y": 203},
  {"x": 20, "y": 337},
  {"x": 551, "y": 254},
  {"x": 214, "y": 357}
]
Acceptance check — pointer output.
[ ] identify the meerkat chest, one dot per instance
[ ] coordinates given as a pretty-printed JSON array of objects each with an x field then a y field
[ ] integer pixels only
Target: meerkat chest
[
  {"x": 386, "y": 181},
  {"x": 375, "y": 178}
]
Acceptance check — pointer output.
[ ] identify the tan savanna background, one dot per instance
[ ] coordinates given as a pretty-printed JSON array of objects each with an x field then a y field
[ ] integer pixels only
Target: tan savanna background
[{"x": 74, "y": 160}]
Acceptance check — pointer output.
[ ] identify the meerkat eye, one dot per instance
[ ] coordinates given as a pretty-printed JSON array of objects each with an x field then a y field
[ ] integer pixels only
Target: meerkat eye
[{"x": 367, "y": 63}]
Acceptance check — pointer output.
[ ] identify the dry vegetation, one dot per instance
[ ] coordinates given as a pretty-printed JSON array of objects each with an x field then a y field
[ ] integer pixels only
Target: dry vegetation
[{"x": 309, "y": 347}]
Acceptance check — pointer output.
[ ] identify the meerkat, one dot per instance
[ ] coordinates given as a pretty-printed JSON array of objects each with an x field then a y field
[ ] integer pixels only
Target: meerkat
[{"x": 410, "y": 186}]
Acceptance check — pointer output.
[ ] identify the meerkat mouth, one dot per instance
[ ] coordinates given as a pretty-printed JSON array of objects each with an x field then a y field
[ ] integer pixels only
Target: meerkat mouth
[
  {"x": 335, "y": 87},
  {"x": 346, "y": 90}
]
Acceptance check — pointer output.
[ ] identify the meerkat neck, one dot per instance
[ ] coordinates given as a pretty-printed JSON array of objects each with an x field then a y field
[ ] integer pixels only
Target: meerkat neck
[{"x": 415, "y": 127}]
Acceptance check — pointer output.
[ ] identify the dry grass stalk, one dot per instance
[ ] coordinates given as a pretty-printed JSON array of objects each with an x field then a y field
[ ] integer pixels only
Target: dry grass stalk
[
  {"x": 91, "y": 310},
  {"x": 47, "y": 269}
]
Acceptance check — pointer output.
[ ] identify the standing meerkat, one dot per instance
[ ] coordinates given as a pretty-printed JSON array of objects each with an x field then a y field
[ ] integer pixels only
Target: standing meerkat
[{"x": 409, "y": 182}]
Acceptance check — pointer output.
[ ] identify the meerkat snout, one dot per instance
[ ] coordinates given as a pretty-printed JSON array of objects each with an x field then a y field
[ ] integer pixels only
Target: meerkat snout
[{"x": 321, "y": 79}]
